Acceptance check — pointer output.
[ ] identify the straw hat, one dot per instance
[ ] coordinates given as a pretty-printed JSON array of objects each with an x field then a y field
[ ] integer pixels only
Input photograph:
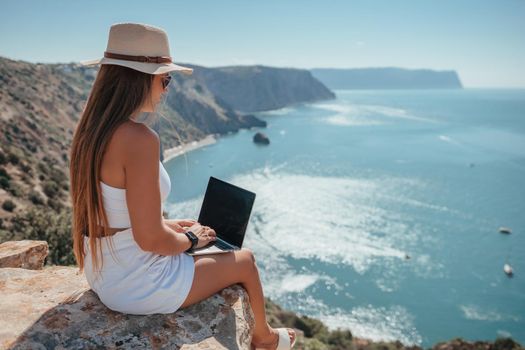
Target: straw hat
[{"x": 141, "y": 47}]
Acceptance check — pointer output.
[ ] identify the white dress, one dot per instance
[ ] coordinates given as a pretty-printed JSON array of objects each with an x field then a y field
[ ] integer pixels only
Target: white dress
[{"x": 137, "y": 282}]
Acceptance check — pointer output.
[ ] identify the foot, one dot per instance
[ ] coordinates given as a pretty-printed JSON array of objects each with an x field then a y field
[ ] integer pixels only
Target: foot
[{"x": 270, "y": 341}]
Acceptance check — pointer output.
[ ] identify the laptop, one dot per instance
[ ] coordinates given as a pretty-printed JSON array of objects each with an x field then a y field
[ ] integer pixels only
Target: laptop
[{"x": 226, "y": 208}]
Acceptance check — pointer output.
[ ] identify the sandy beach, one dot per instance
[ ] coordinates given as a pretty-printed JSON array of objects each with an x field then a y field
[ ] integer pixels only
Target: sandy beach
[{"x": 186, "y": 147}]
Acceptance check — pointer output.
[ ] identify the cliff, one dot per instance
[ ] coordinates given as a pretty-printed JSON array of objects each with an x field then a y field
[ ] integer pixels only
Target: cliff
[
  {"x": 53, "y": 307},
  {"x": 387, "y": 78},
  {"x": 260, "y": 88}
]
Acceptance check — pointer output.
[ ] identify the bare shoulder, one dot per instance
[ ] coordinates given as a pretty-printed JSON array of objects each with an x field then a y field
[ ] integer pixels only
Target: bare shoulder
[{"x": 137, "y": 140}]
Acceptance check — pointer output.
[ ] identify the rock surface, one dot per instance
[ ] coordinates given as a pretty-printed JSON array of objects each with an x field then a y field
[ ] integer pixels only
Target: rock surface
[
  {"x": 25, "y": 254},
  {"x": 54, "y": 307},
  {"x": 261, "y": 138}
]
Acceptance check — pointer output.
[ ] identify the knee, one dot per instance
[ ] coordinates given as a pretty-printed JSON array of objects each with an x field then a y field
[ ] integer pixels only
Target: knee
[
  {"x": 247, "y": 259},
  {"x": 250, "y": 254}
]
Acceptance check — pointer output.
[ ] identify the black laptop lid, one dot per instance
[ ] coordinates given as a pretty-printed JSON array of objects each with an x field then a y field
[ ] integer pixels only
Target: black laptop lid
[{"x": 226, "y": 208}]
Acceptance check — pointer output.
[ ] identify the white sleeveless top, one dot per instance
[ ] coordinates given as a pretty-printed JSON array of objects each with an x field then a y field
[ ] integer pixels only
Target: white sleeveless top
[{"x": 115, "y": 204}]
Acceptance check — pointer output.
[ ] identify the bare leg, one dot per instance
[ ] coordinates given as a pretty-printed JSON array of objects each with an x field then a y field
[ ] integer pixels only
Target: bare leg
[{"x": 215, "y": 272}]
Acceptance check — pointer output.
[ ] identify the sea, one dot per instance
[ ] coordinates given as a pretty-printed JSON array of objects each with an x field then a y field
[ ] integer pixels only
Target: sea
[{"x": 379, "y": 211}]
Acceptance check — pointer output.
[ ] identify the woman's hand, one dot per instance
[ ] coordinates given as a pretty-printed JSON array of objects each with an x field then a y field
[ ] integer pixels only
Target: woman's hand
[
  {"x": 179, "y": 225},
  {"x": 204, "y": 233}
]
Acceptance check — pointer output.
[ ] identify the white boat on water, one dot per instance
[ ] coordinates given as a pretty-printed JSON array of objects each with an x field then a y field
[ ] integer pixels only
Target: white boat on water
[
  {"x": 508, "y": 269},
  {"x": 505, "y": 230}
]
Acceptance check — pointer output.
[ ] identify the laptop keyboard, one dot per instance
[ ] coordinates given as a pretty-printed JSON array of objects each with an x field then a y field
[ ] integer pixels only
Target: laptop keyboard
[{"x": 223, "y": 245}]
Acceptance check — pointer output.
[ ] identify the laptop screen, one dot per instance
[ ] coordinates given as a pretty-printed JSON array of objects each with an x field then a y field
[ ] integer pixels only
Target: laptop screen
[{"x": 226, "y": 208}]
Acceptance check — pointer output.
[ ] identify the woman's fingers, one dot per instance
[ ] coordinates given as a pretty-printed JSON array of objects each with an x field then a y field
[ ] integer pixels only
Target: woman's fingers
[
  {"x": 209, "y": 233},
  {"x": 175, "y": 225},
  {"x": 210, "y": 230},
  {"x": 186, "y": 222}
]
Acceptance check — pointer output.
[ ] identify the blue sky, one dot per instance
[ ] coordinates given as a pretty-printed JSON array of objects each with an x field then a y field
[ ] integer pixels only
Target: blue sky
[{"x": 484, "y": 41}]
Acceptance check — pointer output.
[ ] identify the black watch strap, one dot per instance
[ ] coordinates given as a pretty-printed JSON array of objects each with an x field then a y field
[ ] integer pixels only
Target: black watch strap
[{"x": 193, "y": 238}]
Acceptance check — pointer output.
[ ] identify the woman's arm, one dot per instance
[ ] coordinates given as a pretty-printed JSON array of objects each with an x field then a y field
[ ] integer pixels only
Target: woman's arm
[
  {"x": 143, "y": 197},
  {"x": 167, "y": 240}
]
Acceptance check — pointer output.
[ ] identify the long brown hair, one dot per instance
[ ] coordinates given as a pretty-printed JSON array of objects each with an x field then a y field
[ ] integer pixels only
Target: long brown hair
[{"x": 117, "y": 93}]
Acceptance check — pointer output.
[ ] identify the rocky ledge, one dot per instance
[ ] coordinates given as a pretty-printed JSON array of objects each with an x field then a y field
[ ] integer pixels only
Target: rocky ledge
[{"x": 54, "y": 307}]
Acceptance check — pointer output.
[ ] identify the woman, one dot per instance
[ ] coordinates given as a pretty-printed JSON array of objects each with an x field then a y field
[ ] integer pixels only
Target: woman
[{"x": 118, "y": 186}]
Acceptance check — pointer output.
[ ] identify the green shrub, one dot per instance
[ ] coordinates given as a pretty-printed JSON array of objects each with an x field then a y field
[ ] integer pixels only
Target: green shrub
[
  {"x": 54, "y": 204},
  {"x": 43, "y": 167},
  {"x": 26, "y": 168},
  {"x": 39, "y": 223},
  {"x": 339, "y": 339},
  {"x": 15, "y": 190},
  {"x": 3, "y": 173},
  {"x": 27, "y": 179},
  {"x": 4, "y": 183},
  {"x": 35, "y": 197},
  {"x": 57, "y": 175},
  {"x": 314, "y": 344},
  {"x": 50, "y": 189},
  {"x": 311, "y": 327},
  {"x": 3, "y": 158},
  {"x": 13, "y": 158},
  {"x": 8, "y": 205},
  {"x": 503, "y": 343}
]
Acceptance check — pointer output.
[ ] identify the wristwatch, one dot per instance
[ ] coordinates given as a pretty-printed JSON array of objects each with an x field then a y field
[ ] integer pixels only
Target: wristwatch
[{"x": 194, "y": 240}]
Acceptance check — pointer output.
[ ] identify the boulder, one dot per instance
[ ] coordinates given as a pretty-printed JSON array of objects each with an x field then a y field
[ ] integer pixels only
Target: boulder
[
  {"x": 261, "y": 138},
  {"x": 25, "y": 254},
  {"x": 54, "y": 307}
]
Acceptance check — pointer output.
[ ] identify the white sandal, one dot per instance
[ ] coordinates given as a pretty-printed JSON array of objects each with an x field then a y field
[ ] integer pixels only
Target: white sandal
[{"x": 284, "y": 340}]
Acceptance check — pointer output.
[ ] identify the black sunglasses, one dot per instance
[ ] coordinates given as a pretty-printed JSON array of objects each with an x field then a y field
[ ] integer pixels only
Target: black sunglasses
[{"x": 165, "y": 81}]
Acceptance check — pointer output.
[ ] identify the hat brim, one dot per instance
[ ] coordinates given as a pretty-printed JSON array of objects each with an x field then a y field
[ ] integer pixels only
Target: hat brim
[{"x": 150, "y": 68}]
